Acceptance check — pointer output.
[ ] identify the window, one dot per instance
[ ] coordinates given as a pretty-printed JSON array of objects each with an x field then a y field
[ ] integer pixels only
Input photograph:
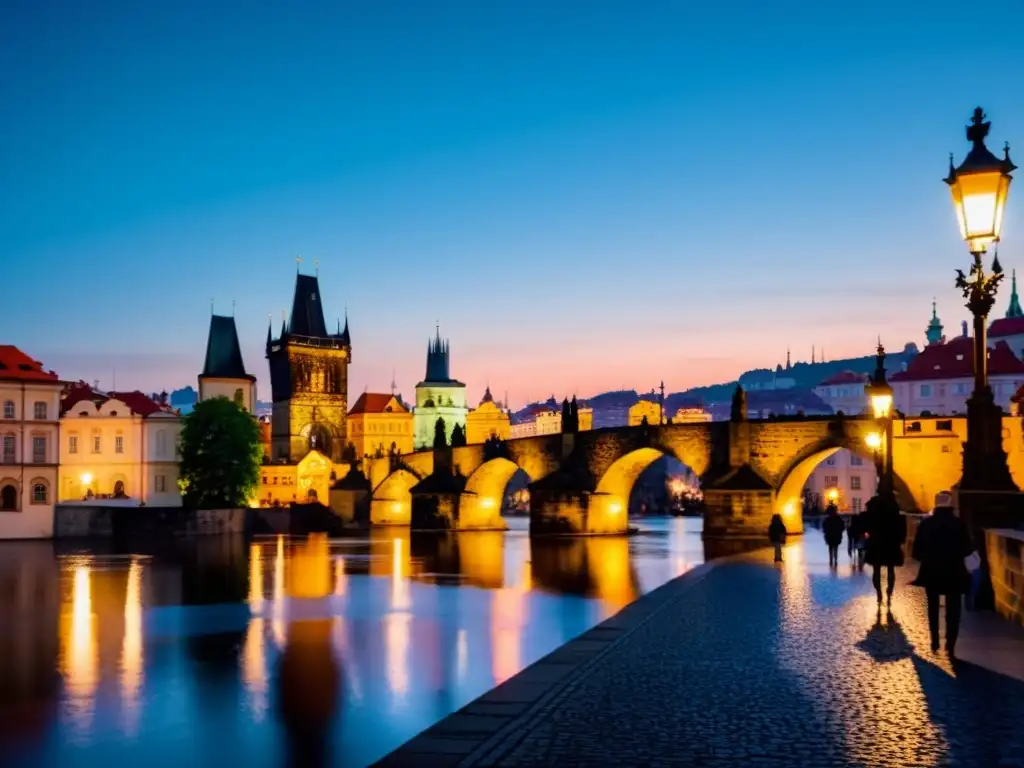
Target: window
[
  {"x": 831, "y": 481},
  {"x": 856, "y": 506},
  {"x": 38, "y": 449},
  {"x": 119, "y": 444},
  {"x": 854, "y": 482},
  {"x": 39, "y": 411},
  {"x": 945, "y": 449},
  {"x": 96, "y": 443},
  {"x": 8, "y": 455},
  {"x": 926, "y": 390},
  {"x": 161, "y": 443},
  {"x": 855, "y": 460},
  {"x": 830, "y": 461},
  {"x": 39, "y": 493},
  {"x": 9, "y": 498},
  {"x": 161, "y": 483},
  {"x": 8, "y": 409},
  {"x": 72, "y": 443}
]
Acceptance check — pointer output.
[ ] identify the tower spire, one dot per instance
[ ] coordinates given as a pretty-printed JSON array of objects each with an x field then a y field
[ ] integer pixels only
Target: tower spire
[
  {"x": 1014, "y": 309},
  {"x": 812, "y": 354},
  {"x": 933, "y": 333},
  {"x": 788, "y": 364}
]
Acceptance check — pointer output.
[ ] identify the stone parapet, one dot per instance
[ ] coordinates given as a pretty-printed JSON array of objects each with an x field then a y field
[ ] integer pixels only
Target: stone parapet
[{"x": 1005, "y": 549}]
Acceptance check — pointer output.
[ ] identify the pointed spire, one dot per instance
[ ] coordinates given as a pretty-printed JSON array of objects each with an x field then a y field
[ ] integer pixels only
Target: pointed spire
[
  {"x": 788, "y": 363},
  {"x": 393, "y": 385},
  {"x": 270, "y": 327},
  {"x": 933, "y": 333},
  {"x": 1014, "y": 309},
  {"x": 346, "y": 337},
  {"x": 284, "y": 323},
  {"x": 212, "y": 302},
  {"x": 812, "y": 354}
]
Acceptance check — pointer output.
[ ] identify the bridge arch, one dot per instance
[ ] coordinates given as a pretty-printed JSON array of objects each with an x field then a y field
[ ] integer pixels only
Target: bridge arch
[
  {"x": 481, "y": 502},
  {"x": 609, "y": 504},
  {"x": 793, "y": 478},
  {"x": 392, "y": 503}
]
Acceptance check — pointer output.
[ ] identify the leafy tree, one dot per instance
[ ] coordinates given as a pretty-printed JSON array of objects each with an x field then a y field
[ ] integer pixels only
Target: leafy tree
[
  {"x": 458, "y": 436},
  {"x": 220, "y": 455},
  {"x": 440, "y": 439}
]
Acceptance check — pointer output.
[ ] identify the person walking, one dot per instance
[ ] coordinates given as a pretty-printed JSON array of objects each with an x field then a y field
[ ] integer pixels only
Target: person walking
[
  {"x": 885, "y": 530},
  {"x": 777, "y": 535},
  {"x": 833, "y": 529},
  {"x": 941, "y": 546}
]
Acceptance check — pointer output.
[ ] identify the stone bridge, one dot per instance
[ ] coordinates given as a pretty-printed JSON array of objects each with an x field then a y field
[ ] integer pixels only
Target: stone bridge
[{"x": 581, "y": 483}]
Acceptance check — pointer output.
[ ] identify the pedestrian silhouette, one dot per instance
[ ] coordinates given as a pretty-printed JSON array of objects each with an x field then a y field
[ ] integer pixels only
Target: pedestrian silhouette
[
  {"x": 886, "y": 531},
  {"x": 941, "y": 545},
  {"x": 777, "y": 535},
  {"x": 833, "y": 528}
]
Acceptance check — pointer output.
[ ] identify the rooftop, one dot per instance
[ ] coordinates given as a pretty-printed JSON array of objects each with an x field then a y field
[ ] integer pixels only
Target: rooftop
[
  {"x": 376, "y": 402},
  {"x": 138, "y": 403},
  {"x": 1006, "y": 326},
  {"x": 954, "y": 359},
  {"x": 845, "y": 377},
  {"x": 15, "y": 365}
]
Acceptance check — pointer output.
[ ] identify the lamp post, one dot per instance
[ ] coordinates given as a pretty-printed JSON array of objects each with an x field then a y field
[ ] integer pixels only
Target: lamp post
[
  {"x": 879, "y": 394},
  {"x": 980, "y": 186}
]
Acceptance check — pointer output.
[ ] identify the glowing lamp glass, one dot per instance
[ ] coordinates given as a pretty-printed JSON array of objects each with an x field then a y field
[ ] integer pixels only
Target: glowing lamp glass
[
  {"x": 874, "y": 441},
  {"x": 881, "y": 404},
  {"x": 832, "y": 494},
  {"x": 86, "y": 478},
  {"x": 980, "y": 199}
]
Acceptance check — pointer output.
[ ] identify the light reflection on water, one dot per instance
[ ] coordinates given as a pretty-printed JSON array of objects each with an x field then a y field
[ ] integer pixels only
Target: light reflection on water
[{"x": 214, "y": 650}]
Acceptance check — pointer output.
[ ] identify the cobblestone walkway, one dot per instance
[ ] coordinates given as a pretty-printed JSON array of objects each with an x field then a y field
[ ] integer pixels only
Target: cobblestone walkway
[{"x": 764, "y": 665}]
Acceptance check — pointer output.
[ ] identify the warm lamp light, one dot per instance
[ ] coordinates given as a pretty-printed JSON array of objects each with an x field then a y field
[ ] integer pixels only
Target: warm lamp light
[
  {"x": 615, "y": 507},
  {"x": 980, "y": 186},
  {"x": 832, "y": 494},
  {"x": 86, "y": 478},
  {"x": 486, "y": 502},
  {"x": 874, "y": 441},
  {"x": 881, "y": 404}
]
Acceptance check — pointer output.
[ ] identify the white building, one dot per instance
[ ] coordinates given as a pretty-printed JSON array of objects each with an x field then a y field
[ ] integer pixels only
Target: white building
[
  {"x": 118, "y": 445},
  {"x": 844, "y": 391},
  {"x": 29, "y": 433},
  {"x": 438, "y": 396},
  {"x": 546, "y": 419},
  {"x": 845, "y": 478}
]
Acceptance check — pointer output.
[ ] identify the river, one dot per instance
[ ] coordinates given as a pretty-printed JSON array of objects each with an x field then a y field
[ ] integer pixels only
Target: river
[{"x": 225, "y": 652}]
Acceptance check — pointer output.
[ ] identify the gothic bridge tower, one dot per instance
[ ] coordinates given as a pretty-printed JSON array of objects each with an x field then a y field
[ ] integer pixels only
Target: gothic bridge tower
[{"x": 309, "y": 379}]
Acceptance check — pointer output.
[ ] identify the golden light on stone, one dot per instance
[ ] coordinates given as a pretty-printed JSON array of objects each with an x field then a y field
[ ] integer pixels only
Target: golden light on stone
[
  {"x": 832, "y": 494},
  {"x": 86, "y": 478},
  {"x": 874, "y": 441}
]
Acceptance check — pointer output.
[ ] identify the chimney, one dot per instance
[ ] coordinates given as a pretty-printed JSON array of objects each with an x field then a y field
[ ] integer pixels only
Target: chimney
[{"x": 963, "y": 328}]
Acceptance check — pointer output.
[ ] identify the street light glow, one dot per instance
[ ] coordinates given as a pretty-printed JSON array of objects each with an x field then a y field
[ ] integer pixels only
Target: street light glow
[
  {"x": 874, "y": 441},
  {"x": 881, "y": 404}
]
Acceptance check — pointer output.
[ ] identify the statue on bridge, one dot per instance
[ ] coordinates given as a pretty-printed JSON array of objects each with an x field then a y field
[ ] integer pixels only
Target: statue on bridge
[{"x": 739, "y": 405}]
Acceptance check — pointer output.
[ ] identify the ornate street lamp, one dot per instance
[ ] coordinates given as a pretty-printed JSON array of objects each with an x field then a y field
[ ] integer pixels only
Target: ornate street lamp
[
  {"x": 980, "y": 186},
  {"x": 879, "y": 394}
]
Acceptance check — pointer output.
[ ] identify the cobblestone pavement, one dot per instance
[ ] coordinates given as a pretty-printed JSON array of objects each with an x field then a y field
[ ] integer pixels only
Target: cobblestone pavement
[{"x": 765, "y": 665}]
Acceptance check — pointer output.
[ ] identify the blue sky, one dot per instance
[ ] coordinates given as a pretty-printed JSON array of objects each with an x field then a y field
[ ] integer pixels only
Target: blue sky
[{"x": 584, "y": 195}]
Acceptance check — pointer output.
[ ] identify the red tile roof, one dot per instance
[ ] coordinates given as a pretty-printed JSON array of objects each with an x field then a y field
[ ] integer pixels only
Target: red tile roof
[
  {"x": 845, "y": 377},
  {"x": 138, "y": 403},
  {"x": 1006, "y": 326},
  {"x": 374, "y": 402},
  {"x": 955, "y": 359},
  {"x": 15, "y": 365}
]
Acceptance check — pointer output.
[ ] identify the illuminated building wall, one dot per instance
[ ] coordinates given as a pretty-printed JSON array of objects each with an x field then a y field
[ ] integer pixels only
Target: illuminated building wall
[
  {"x": 438, "y": 396},
  {"x": 283, "y": 484},
  {"x": 378, "y": 422},
  {"x": 644, "y": 408},
  {"x": 487, "y": 420}
]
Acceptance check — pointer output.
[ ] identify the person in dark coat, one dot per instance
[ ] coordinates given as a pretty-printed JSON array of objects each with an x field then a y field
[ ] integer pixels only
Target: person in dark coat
[
  {"x": 885, "y": 530},
  {"x": 941, "y": 544},
  {"x": 777, "y": 535},
  {"x": 833, "y": 529}
]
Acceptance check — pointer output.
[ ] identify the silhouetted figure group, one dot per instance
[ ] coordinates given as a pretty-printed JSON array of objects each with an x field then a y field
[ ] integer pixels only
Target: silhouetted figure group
[
  {"x": 777, "y": 535},
  {"x": 833, "y": 528},
  {"x": 943, "y": 547}
]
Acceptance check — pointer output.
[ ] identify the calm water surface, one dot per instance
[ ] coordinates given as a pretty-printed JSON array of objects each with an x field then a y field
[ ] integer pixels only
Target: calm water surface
[{"x": 291, "y": 650}]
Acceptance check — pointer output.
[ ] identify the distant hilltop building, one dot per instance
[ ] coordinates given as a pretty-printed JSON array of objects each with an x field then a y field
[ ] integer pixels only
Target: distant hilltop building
[
  {"x": 438, "y": 396},
  {"x": 546, "y": 418}
]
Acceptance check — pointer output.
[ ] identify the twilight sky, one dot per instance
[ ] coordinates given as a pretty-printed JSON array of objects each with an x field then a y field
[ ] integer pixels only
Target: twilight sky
[{"x": 585, "y": 195}]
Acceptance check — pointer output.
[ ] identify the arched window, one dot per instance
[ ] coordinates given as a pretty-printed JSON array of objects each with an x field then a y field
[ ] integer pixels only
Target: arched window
[
  {"x": 40, "y": 492},
  {"x": 312, "y": 495},
  {"x": 239, "y": 398},
  {"x": 8, "y": 409},
  {"x": 161, "y": 443},
  {"x": 119, "y": 489},
  {"x": 9, "y": 498},
  {"x": 39, "y": 410}
]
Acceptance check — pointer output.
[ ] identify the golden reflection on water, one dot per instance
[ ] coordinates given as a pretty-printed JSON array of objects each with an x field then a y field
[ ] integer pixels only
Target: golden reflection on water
[
  {"x": 400, "y": 599},
  {"x": 278, "y": 624},
  {"x": 310, "y": 568},
  {"x": 397, "y": 628},
  {"x": 255, "y": 578},
  {"x": 340, "y": 578},
  {"x": 79, "y": 651},
  {"x": 461, "y": 655},
  {"x": 132, "y": 662},
  {"x": 254, "y": 667},
  {"x": 508, "y": 615}
]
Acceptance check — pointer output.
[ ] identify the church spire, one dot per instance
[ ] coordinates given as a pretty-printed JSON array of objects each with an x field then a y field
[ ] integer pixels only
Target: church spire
[
  {"x": 1014, "y": 309},
  {"x": 788, "y": 364},
  {"x": 933, "y": 333}
]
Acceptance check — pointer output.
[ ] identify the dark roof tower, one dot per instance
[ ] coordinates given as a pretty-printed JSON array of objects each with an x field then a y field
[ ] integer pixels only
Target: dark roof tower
[
  {"x": 223, "y": 352},
  {"x": 307, "y": 310},
  {"x": 437, "y": 359},
  {"x": 1014, "y": 309}
]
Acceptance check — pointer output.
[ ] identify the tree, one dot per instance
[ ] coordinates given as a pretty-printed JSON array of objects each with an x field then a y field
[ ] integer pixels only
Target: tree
[
  {"x": 458, "y": 436},
  {"x": 220, "y": 455},
  {"x": 440, "y": 439}
]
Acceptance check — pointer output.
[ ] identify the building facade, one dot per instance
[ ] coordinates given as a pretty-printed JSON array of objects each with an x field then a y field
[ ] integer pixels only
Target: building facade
[
  {"x": 438, "y": 396},
  {"x": 691, "y": 413},
  {"x": 29, "y": 435},
  {"x": 844, "y": 391},
  {"x": 379, "y": 424},
  {"x": 645, "y": 409},
  {"x": 309, "y": 380},
  {"x": 118, "y": 445},
  {"x": 845, "y": 478},
  {"x": 224, "y": 373},
  {"x": 308, "y": 480},
  {"x": 940, "y": 379},
  {"x": 546, "y": 419},
  {"x": 487, "y": 420}
]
